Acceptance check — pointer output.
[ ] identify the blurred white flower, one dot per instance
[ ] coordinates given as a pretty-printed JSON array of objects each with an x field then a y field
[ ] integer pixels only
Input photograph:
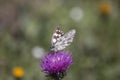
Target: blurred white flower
[
  {"x": 76, "y": 13},
  {"x": 38, "y": 52}
]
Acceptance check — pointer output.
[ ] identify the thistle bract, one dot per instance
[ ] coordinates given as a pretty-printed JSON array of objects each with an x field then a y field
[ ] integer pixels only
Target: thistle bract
[{"x": 56, "y": 64}]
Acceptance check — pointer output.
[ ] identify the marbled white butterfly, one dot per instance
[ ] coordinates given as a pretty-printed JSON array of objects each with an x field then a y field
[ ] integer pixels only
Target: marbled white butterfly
[{"x": 61, "y": 40}]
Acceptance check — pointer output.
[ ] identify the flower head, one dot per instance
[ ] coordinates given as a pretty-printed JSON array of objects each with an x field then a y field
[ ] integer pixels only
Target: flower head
[
  {"x": 18, "y": 72},
  {"x": 56, "y": 64},
  {"x": 105, "y": 8}
]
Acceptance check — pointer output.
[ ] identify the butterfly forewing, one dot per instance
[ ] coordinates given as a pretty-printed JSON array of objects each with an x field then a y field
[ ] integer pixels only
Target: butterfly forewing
[{"x": 56, "y": 35}]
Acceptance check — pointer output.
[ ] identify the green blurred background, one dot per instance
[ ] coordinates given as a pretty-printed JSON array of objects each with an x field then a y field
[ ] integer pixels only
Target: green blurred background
[{"x": 26, "y": 27}]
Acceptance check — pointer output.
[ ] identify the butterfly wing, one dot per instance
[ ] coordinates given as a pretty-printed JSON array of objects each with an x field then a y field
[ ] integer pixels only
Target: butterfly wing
[
  {"x": 56, "y": 35},
  {"x": 64, "y": 41}
]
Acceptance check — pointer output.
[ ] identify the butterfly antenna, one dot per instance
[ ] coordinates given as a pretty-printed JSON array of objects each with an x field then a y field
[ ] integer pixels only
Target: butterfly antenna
[{"x": 58, "y": 28}]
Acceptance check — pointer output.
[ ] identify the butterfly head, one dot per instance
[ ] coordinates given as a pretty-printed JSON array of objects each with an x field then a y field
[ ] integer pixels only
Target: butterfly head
[{"x": 52, "y": 48}]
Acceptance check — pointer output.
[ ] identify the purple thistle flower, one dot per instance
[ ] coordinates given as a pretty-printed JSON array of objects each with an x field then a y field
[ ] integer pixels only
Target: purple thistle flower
[{"x": 56, "y": 64}]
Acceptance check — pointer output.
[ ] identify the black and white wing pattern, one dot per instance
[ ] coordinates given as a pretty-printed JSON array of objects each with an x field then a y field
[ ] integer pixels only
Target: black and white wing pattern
[
  {"x": 56, "y": 35},
  {"x": 61, "y": 40}
]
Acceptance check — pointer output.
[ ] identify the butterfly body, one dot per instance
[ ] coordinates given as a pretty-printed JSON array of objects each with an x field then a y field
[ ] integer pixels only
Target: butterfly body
[{"x": 61, "y": 40}]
